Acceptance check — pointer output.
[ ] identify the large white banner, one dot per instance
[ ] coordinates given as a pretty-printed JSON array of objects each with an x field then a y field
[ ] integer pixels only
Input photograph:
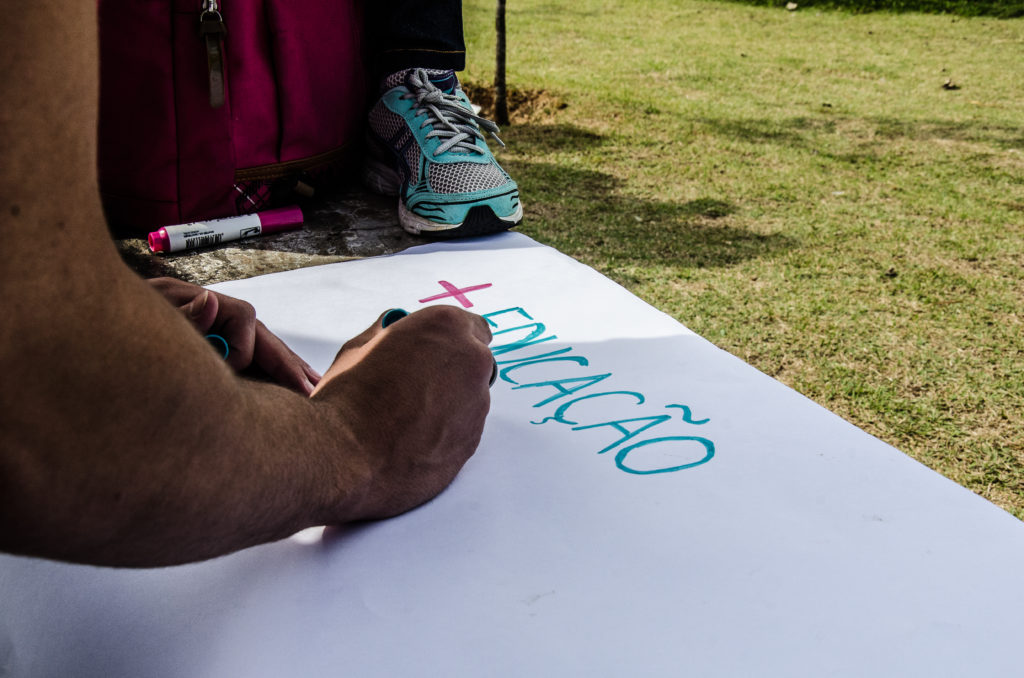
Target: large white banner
[{"x": 642, "y": 504}]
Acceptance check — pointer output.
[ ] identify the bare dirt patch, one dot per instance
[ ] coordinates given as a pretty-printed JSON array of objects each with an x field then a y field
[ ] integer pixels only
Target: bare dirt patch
[{"x": 524, "y": 105}]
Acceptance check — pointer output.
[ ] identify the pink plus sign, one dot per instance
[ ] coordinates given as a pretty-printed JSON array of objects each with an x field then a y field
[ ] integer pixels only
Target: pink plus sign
[{"x": 457, "y": 293}]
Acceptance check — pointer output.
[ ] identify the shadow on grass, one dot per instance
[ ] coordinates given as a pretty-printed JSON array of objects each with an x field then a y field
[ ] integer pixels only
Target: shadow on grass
[
  {"x": 550, "y": 138},
  {"x": 1003, "y": 9},
  {"x": 803, "y": 130},
  {"x": 582, "y": 212}
]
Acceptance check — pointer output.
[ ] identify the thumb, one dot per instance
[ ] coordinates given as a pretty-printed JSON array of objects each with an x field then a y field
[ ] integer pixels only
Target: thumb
[{"x": 202, "y": 310}]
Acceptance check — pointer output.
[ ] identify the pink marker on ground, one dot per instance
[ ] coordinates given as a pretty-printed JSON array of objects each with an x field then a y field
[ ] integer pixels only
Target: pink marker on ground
[{"x": 216, "y": 231}]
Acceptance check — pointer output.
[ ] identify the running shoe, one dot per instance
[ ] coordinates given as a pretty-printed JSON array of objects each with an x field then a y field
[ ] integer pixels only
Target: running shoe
[{"x": 427, "y": 146}]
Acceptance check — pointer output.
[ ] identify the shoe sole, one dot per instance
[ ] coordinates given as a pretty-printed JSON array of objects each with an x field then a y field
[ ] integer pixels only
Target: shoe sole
[{"x": 480, "y": 220}]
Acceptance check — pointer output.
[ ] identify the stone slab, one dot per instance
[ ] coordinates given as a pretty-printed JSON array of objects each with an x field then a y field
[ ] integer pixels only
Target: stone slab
[{"x": 349, "y": 223}]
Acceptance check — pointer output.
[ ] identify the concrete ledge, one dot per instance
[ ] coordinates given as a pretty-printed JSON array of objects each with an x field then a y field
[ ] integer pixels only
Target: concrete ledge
[{"x": 347, "y": 224}]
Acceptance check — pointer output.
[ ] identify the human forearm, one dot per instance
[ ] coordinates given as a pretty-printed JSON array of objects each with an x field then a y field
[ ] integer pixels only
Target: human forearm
[
  {"x": 128, "y": 442},
  {"x": 123, "y": 439},
  {"x": 145, "y": 449}
]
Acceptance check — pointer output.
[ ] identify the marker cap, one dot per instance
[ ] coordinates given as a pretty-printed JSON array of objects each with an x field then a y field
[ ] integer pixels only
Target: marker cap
[
  {"x": 158, "y": 241},
  {"x": 392, "y": 316}
]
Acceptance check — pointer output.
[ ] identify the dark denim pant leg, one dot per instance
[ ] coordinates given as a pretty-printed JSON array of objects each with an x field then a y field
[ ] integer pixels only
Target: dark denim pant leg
[{"x": 414, "y": 34}]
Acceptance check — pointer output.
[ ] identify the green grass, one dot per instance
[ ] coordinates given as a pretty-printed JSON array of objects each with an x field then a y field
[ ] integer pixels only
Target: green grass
[
  {"x": 998, "y": 8},
  {"x": 801, "y": 189}
]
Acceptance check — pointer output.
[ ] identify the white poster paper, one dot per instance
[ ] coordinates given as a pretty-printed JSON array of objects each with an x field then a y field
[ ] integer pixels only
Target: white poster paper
[{"x": 642, "y": 504}]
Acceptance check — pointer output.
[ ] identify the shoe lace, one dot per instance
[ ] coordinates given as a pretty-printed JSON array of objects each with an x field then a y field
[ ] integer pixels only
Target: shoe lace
[{"x": 458, "y": 126}]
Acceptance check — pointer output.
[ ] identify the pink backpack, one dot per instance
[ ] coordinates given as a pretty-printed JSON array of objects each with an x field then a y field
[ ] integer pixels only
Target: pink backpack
[{"x": 212, "y": 108}]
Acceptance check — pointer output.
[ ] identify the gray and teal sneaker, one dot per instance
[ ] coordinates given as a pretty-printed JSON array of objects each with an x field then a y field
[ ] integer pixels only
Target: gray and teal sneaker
[{"x": 426, "y": 145}]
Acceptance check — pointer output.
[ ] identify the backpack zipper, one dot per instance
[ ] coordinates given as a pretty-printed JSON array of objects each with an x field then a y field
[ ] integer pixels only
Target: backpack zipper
[{"x": 212, "y": 30}]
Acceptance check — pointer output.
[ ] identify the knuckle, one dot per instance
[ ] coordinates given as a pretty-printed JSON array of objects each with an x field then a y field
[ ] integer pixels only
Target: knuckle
[
  {"x": 484, "y": 356},
  {"x": 445, "y": 317},
  {"x": 485, "y": 329},
  {"x": 479, "y": 361}
]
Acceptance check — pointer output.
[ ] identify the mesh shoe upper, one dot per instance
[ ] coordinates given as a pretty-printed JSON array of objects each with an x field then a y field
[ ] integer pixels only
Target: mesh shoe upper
[{"x": 428, "y": 145}]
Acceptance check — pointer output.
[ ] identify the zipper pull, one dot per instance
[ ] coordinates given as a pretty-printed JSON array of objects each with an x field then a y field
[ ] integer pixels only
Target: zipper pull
[{"x": 212, "y": 30}]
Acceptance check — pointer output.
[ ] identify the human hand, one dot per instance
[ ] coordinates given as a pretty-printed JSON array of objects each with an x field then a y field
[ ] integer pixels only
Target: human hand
[
  {"x": 251, "y": 344},
  {"x": 416, "y": 395}
]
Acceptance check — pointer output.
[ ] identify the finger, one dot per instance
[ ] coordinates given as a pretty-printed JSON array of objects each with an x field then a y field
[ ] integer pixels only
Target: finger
[
  {"x": 236, "y": 322},
  {"x": 312, "y": 375},
  {"x": 481, "y": 328},
  {"x": 460, "y": 328},
  {"x": 456, "y": 321},
  {"x": 352, "y": 351},
  {"x": 202, "y": 310},
  {"x": 178, "y": 292},
  {"x": 364, "y": 337},
  {"x": 280, "y": 363},
  {"x": 385, "y": 319},
  {"x": 195, "y": 303}
]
